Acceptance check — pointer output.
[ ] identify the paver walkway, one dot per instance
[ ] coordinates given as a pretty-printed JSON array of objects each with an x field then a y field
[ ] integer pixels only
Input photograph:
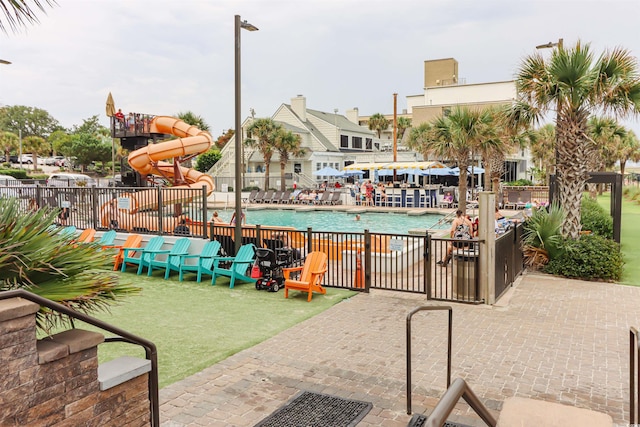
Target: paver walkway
[{"x": 551, "y": 339}]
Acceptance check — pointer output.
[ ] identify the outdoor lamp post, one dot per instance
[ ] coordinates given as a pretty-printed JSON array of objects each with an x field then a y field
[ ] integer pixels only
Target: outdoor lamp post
[
  {"x": 551, "y": 45},
  {"x": 238, "y": 134}
]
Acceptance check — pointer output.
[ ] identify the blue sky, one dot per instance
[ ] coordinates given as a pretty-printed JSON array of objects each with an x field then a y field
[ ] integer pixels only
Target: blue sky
[{"x": 165, "y": 57}]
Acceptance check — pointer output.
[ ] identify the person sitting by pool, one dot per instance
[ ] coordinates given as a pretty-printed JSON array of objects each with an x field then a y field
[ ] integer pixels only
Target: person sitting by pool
[
  {"x": 448, "y": 198},
  {"x": 461, "y": 229},
  {"x": 216, "y": 219},
  {"x": 182, "y": 229}
]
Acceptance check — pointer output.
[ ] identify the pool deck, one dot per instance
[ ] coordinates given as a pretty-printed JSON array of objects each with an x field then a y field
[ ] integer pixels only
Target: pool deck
[{"x": 549, "y": 338}]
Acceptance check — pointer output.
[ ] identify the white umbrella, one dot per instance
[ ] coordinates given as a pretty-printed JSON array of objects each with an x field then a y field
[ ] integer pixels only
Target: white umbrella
[{"x": 328, "y": 171}]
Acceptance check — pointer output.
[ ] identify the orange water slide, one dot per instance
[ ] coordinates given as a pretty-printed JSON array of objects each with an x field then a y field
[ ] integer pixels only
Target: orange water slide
[{"x": 149, "y": 160}]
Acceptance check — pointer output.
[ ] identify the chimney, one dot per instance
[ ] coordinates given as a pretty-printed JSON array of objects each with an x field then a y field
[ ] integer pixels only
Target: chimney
[
  {"x": 299, "y": 106},
  {"x": 352, "y": 115}
]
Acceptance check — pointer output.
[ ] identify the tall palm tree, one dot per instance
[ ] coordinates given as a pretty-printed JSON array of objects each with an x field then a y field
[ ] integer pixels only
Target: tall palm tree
[
  {"x": 453, "y": 137},
  {"x": 9, "y": 142},
  {"x": 35, "y": 145},
  {"x": 287, "y": 144},
  {"x": 19, "y": 13},
  {"x": 378, "y": 123},
  {"x": 403, "y": 124},
  {"x": 606, "y": 136},
  {"x": 629, "y": 150},
  {"x": 576, "y": 85},
  {"x": 542, "y": 145},
  {"x": 194, "y": 120},
  {"x": 263, "y": 135}
]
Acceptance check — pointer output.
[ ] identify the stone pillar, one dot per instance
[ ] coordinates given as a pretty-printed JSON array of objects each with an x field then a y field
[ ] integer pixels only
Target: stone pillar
[{"x": 487, "y": 257}]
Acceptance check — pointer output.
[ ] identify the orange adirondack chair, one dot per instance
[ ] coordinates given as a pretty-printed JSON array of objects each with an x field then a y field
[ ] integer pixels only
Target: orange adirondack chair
[
  {"x": 312, "y": 272},
  {"x": 133, "y": 241},
  {"x": 86, "y": 236}
]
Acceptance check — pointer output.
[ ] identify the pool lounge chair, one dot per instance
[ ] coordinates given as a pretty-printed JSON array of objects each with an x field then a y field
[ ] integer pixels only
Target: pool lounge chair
[
  {"x": 285, "y": 197},
  {"x": 252, "y": 197},
  {"x": 267, "y": 197},
  {"x": 239, "y": 265},
  {"x": 324, "y": 199}
]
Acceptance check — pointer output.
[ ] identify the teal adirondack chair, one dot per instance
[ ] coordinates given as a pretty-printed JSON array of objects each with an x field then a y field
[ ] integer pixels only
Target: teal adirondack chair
[
  {"x": 107, "y": 238},
  {"x": 239, "y": 265},
  {"x": 204, "y": 260},
  {"x": 137, "y": 255},
  {"x": 172, "y": 261}
]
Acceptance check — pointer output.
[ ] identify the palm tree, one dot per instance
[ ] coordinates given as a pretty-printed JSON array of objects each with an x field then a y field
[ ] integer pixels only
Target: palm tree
[
  {"x": 542, "y": 145},
  {"x": 606, "y": 135},
  {"x": 19, "y": 13},
  {"x": 45, "y": 262},
  {"x": 403, "y": 124},
  {"x": 194, "y": 120},
  {"x": 9, "y": 142},
  {"x": 453, "y": 137},
  {"x": 263, "y": 135},
  {"x": 629, "y": 150},
  {"x": 378, "y": 123},
  {"x": 35, "y": 145},
  {"x": 287, "y": 144},
  {"x": 576, "y": 85}
]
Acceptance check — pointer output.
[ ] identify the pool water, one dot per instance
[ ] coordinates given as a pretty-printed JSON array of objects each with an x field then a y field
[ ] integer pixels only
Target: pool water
[{"x": 376, "y": 222}]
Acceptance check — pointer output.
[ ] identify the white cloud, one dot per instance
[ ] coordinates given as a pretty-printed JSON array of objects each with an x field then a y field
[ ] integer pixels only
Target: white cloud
[{"x": 163, "y": 57}]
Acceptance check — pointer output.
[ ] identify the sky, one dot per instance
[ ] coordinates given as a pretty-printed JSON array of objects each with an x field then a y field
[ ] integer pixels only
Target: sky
[{"x": 165, "y": 57}]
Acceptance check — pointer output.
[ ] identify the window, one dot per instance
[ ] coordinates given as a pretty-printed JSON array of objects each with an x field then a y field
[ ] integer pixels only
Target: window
[
  {"x": 297, "y": 167},
  {"x": 344, "y": 141},
  {"x": 357, "y": 142},
  {"x": 368, "y": 144}
]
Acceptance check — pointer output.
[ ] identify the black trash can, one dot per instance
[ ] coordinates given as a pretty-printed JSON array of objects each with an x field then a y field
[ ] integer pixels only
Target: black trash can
[{"x": 465, "y": 274}]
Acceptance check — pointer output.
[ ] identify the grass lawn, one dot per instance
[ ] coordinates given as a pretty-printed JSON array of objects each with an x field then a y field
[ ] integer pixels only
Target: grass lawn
[
  {"x": 629, "y": 237},
  {"x": 194, "y": 325}
]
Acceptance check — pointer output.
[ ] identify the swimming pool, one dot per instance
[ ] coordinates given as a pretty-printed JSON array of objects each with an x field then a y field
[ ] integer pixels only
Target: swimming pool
[{"x": 376, "y": 222}]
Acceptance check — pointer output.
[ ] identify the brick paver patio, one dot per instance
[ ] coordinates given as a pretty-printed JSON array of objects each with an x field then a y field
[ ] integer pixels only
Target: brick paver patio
[{"x": 550, "y": 339}]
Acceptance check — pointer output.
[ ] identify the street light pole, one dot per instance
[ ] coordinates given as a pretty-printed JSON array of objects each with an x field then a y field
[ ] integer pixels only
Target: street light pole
[
  {"x": 238, "y": 134},
  {"x": 551, "y": 45}
]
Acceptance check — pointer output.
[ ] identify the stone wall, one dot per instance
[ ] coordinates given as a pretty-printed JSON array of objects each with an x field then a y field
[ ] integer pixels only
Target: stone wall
[{"x": 54, "y": 381}]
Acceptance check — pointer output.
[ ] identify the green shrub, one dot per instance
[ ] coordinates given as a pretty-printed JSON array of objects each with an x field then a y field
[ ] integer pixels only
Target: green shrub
[
  {"x": 519, "y": 183},
  {"x": 596, "y": 219},
  {"x": 591, "y": 257},
  {"x": 16, "y": 173}
]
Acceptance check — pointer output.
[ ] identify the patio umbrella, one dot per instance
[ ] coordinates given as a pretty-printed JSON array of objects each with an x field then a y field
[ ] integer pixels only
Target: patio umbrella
[
  {"x": 111, "y": 106},
  {"x": 353, "y": 172},
  {"x": 328, "y": 171},
  {"x": 438, "y": 172},
  {"x": 477, "y": 170},
  {"x": 385, "y": 172}
]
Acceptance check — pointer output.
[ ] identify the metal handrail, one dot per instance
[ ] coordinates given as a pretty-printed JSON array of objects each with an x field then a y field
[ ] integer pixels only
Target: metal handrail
[
  {"x": 409, "y": 316},
  {"x": 634, "y": 375},
  {"x": 123, "y": 336},
  {"x": 447, "y": 403}
]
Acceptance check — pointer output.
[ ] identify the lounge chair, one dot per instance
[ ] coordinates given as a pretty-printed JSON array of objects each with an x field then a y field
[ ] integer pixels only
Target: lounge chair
[
  {"x": 239, "y": 265},
  {"x": 277, "y": 195},
  {"x": 252, "y": 196},
  {"x": 311, "y": 274},
  {"x": 204, "y": 261},
  {"x": 268, "y": 196},
  {"x": 133, "y": 241},
  {"x": 172, "y": 261},
  {"x": 285, "y": 197},
  {"x": 336, "y": 198},
  {"x": 324, "y": 199},
  {"x": 258, "y": 197},
  {"x": 137, "y": 255}
]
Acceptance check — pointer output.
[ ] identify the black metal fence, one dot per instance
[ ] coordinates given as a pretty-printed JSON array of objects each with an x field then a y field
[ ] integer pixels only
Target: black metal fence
[
  {"x": 155, "y": 210},
  {"x": 360, "y": 261},
  {"x": 509, "y": 259}
]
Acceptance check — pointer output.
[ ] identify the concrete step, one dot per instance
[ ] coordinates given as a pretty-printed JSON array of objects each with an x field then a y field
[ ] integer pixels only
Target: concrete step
[
  {"x": 120, "y": 370},
  {"x": 521, "y": 412}
]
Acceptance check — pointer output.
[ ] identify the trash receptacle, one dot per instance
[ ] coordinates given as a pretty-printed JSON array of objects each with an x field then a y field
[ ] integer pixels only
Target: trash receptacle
[{"x": 465, "y": 273}]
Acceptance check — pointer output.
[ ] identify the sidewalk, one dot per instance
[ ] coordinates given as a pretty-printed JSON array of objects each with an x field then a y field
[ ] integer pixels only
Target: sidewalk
[{"x": 550, "y": 339}]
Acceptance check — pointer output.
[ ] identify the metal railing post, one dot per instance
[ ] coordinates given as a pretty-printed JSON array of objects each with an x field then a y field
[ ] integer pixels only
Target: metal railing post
[{"x": 408, "y": 337}]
